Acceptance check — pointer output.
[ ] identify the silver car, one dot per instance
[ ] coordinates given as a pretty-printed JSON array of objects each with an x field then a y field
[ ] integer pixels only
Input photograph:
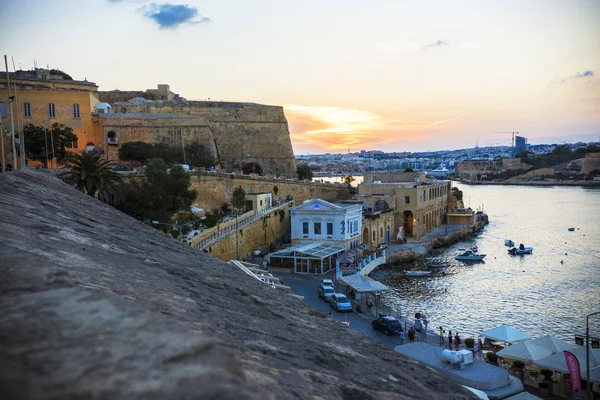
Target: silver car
[
  {"x": 340, "y": 302},
  {"x": 325, "y": 292}
]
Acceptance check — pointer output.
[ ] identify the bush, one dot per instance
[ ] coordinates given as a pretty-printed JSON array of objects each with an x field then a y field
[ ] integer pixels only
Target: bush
[{"x": 470, "y": 342}]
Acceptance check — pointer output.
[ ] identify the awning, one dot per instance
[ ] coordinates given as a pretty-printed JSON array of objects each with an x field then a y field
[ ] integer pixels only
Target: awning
[
  {"x": 551, "y": 343},
  {"x": 313, "y": 251},
  {"x": 505, "y": 333},
  {"x": 523, "y": 396},
  {"x": 557, "y": 361},
  {"x": 363, "y": 284}
]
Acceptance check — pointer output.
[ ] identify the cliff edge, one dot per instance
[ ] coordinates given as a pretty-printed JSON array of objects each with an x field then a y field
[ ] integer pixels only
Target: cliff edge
[{"x": 95, "y": 304}]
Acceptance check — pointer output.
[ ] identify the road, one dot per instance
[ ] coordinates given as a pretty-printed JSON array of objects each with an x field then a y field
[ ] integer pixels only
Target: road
[{"x": 306, "y": 286}]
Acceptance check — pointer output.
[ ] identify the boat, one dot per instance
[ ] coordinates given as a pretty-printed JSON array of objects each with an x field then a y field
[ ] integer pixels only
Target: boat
[
  {"x": 469, "y": 255},
  {"x": 417, "y": 273},
  {"x": 571, "y": 229},
  {"x": 475, "y": 249},
  {"x": 509, "y": 243},
  {"x": 436, "y": 262},
  {"x": 517, "y": 251}
]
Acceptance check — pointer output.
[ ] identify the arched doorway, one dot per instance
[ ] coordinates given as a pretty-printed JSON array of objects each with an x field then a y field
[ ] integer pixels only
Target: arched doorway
[
  {"x": 252, "y": 168},
  {"x": 408, "y": 223},
  {"x": 365, "y": 236}
]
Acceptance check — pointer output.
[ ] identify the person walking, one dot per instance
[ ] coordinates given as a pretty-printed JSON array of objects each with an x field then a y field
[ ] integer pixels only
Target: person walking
[
  {"x": 450, "y": 340},
  {"x": 402, "y": 337},
  {"x": 442, "y": 341},
  {"x": 456, "y": 341},
  {"x": 411, "y": 335}
]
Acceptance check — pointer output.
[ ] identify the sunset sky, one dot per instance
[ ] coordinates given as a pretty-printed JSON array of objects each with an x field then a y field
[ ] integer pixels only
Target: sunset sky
[{"x": 387, "y": 75}]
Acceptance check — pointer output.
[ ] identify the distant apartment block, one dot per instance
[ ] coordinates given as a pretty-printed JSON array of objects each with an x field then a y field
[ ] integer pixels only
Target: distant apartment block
[{"x": 520, "y": 144}]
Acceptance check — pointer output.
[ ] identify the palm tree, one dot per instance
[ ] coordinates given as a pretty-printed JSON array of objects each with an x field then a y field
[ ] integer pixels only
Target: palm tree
[{"x": 92, "y": 175}]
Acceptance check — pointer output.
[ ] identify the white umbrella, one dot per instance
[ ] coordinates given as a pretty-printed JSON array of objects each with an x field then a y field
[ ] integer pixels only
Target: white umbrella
[
  {"x": 505, "y": 333},
  {"x": 557, "y": 361},
  {"x": 524, "y": 351},
  {"x": 523, "y": 396},
  {"x": 551, "y": 343}
]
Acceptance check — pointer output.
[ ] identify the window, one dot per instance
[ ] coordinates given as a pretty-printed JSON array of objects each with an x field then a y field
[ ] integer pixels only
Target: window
[
  {"x": 330, "y": 228},
  {"x": 2, "y": 109},
  {"x": 406, "y": 199},
  {"x": 305, "y": 228},
  {"x": 74, "y": 144},
  {"x": 355, "y": 226},
  {"x": 317, "y": 228},
  {"x": 51, "y": 110},
  {"x": 27, "y": 110},
  {"x": 75, "y": 110}
]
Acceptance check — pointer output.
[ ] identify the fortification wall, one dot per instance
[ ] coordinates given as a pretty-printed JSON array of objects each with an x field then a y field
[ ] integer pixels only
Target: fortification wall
[
  {"x": 255, "y": 236},
  {"x": 214, "y": 189},
  {"x": 591, "y": 163},
  {"x": 245, "y": 133}
]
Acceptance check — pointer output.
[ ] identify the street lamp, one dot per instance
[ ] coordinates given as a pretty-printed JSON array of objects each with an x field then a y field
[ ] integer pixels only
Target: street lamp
[{"x": 587, "y": 353}]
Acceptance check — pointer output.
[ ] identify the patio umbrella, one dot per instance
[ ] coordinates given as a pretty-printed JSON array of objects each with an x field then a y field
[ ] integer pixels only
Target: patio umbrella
[
  {"x": 557, "y": 362},
  {"x": 524, "y": 351},
  {"x": 551, "y": 343},
  {"x": 523, "y": 396},
  {"x": 505, "y": 333}
]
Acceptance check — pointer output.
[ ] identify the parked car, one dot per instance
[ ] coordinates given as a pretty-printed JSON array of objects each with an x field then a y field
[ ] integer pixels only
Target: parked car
[
  {"x": 387, "y": 325},
  {"x": 325, "y": 292},
  {"x": 340, "y": 302},
  {"x": 326, "y": 282},
  {"x": 185, "y": 167},
  {"x": 121, "y": 168}
]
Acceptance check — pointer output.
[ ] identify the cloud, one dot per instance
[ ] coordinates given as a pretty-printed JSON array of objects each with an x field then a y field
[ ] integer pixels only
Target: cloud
[
  {"x": 584, "y": 74},
  {"x": 438, "y": 43},
  {"x": 171, "y": 16}
]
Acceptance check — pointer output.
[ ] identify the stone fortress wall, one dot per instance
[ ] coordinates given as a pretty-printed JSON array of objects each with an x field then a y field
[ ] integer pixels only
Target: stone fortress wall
[{"x": 245, "y": 134}]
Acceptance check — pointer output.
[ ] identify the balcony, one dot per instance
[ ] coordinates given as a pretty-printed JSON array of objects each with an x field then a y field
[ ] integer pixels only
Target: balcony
[{"x": 113, "y": 140}]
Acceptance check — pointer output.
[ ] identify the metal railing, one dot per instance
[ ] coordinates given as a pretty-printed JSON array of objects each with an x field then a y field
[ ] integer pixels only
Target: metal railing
[{"x": 220, "y": 234}]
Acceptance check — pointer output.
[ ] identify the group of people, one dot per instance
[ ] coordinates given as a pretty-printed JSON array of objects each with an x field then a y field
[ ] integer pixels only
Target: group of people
[
  {"x": 452, "y": 339},
  {"x": 412, "y": 334}
]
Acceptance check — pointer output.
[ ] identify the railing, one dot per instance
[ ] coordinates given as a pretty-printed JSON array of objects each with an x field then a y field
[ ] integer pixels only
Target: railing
[{"x": 219, "y": 234}]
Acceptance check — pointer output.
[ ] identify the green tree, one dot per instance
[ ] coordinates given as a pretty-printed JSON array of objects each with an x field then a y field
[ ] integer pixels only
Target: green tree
[
  {"x": 238, "y": 200},
  {"x": 36, "y": 138},
  {"x": 162, "y": 194},
  {"x": 63, "y": 74},
  {"x": 199, "y": 156},
  {"x": 91, "y": 174},
  {"x": 304, "y": 172},
  {"x": 142, "y": 152},
  {"x": 348, "y": 180}
]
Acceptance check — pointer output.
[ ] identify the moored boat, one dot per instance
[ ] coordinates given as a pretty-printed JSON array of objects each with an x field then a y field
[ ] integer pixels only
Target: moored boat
[
  {"x": 417, "y": 273},
  {"x": 436, "y": 262},
  {"x": 470, "y": 256},
  {"x": 509, "y": 243},
  {"x": 515, "y": 252},
  {"x": 571, "y": 229}
]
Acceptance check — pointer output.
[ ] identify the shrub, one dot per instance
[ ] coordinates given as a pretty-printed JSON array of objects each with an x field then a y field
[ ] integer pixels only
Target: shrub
[{"x": 469, "y": 342}]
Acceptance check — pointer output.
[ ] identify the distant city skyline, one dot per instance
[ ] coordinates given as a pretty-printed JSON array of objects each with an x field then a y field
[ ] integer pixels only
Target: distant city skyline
[{"x": 390, "y": 75}]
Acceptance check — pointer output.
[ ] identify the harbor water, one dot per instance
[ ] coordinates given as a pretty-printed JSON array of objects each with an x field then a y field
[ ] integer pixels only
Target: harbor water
[{"x": 546, "y": 293}]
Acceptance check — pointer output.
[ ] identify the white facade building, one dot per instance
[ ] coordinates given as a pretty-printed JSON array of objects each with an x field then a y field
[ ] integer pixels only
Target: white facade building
[{"x": 318, "y": 220}]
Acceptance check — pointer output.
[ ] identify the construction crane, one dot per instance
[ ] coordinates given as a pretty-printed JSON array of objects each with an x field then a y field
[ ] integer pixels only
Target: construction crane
[{"x": 512, "y": 144}]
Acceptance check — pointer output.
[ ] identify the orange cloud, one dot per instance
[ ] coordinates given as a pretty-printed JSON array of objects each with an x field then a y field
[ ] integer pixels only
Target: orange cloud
[{"x": 334, "y": 129}]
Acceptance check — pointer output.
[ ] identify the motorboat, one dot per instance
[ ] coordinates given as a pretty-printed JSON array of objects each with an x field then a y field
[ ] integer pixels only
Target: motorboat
[
  {"x": 519, "y": 251},
  {"x": 509, "y": 243},
  {"x": 417, "y": 273},
  {"x": 436, "y": 262},
  {"x": 571, "y": 229},
  {"x": 469, "y": 255}
]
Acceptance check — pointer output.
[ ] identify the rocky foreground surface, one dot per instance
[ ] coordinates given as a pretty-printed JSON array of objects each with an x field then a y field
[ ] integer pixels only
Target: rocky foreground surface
[{"x": 95, "y": 304}]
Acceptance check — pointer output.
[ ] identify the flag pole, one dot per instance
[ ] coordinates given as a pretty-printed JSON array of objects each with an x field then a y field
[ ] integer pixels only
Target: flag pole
[{"x": 12, "y": 119}]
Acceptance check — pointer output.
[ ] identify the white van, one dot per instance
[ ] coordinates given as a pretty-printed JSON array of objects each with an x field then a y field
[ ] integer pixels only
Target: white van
[{"x": 185, "y": 167}]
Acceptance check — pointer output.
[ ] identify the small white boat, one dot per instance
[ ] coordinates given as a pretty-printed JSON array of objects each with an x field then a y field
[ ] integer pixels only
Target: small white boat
[
  {"x": 436, "y": 262},
  {"x": 509, "y": 243},
  {"x": 417, "y": 273},
  {"x": 516, "y": 252},
  {"x": 469, "y": 255}
]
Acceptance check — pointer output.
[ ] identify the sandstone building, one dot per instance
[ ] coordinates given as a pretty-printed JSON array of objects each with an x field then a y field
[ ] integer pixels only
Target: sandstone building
[
  {"x": 243, "y": 137},
  {"x": 43, "y": 98}
]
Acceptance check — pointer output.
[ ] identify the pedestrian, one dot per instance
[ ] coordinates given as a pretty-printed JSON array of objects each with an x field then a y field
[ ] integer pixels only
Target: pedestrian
[
  {"x": 411, "y": 335},
  {"x": 402, "y": 337},
  {"x": 450, "y": 340},
  {"x": 456, "y": 341},
  {"x": 446, "y": 230},
  {"x": 418, "y": 326},
  {"x": 480, "y": 346},
  {"x": 442, "y": 341}
]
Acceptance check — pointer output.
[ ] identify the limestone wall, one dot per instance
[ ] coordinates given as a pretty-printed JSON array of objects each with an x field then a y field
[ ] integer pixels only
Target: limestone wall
[
  {"x": 255, "y": 236},
  {"x": 591, "y": 163},
  {"x": 214, "y": 189},
  {"x": 245, "y": 133}
]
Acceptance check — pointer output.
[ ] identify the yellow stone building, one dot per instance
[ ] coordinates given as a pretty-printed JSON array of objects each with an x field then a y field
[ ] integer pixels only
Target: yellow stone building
[
  {"x": 419, "y": 204},
  {"x": 42, "y": 98}
]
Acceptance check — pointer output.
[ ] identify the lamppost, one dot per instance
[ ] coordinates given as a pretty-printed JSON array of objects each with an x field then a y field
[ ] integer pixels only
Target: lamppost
[{"x": 587, "y": 353}]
